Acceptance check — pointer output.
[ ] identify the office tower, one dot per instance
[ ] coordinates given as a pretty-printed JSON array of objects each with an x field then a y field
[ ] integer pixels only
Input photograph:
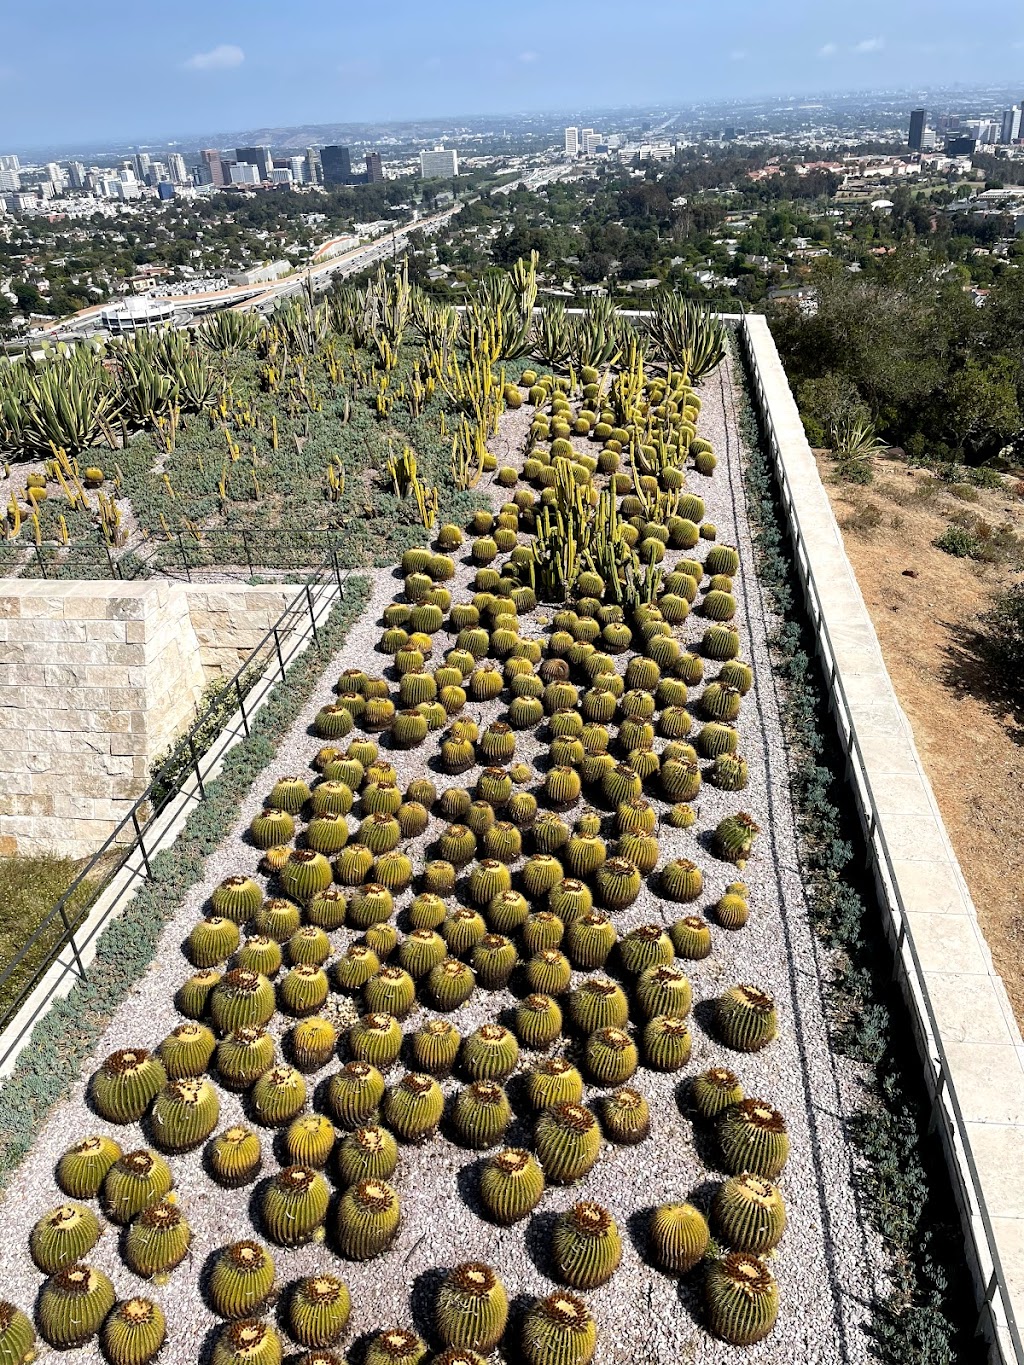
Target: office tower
[
  {"x": 10, "y": 181},
  {"x": 440, "y": 164},
  {"x": 55, "y": 175},
  {"x": 260, "y": 157},
  {"x": 1010, "y": 130},
  {"x": 961, "y": 145},
  {"x": 918, "y": 123},
  {"x": 76, "y": 175},
  {"x": 297, "y": 166},
  {"x": 572, "y": 142},
  {"x": 374, "y": 169},
  {"x": 314, "y": 168},
  {"x": 165, "y": 190},
  {"x": 210, "y": 158},
  {"x": 176, "y": 167},
  {"x": 140, "y": 162},
  {"x": 245, "y": 173},
  {"x": 336, "y": 164},
  {"x": 281, "y": 175},
  {"x": 584, "y": 134},
  {"x": 591, "y": 142},
  {"x": 9, "y": 163}
]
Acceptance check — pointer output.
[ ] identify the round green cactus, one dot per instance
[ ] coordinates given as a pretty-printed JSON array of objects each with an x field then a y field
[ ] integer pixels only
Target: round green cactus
[
  {"x": 396, "y": 1346},
  {"x": 157, "y": 1240},
  {"x": 391, "y": 991},
  {"x": 236, "y": 898},
  {"x": 663, "y": 989},
  {"x": 428, "y": 910},
  {"x": 562, "y": 787},
  {"x": 351, "y": 866},
  {"x": 312, "y": 1042},
  {"x": 303, "y": 990},
  {"x": 753, "y": 1138},
  {"x": 494, "y": 959},
  {"x": 586, "y": 1247},
  {"x": 482, "y": 1113},
  {"x": 358, "y": 964},
  {"x": 611, "y": 1056},
  {"x": 463, "y": 930},
  {"x": 589, "y": 941},
  {"x": 185, "y": 1113},
  {"x": 598, "y": 1003},
  {"x": 17, "y": 1338},
  {"x": 212, "y": 941},
  {"x": 451, "y": 983},
  {"x": 64, "y": 1235},
  {"x": 354, "y": 1092},
  {"x": 309, "y": 1140},
  {"x": 679, "y": 1237},
  {"x": 559, "y": 1330},
  {"x": 278, "y": 918},
  {"x": 377, "y": 1039},
  {"x": 746, "y": 1018},
  {"x": 511, "y": 1185},
  {"x": 235, "y": 1157},
  {"x": 243, "y": 1056},
  {"x": 73, "y": 1304},
  {"x": 714, "y": 1090},
  {"x": 742, "y": 1298},
  {"x": 247, "y": 1342},
  {"x": 568, "y": 1140},
  {"x": 646, "y": 946},
  {"x": 491, "y": 1053},
  {"x": 368, "y": 1217},
  {"x": 626, "y": 1116},
  {"x": 135, "y": 1180},
  {"x": 295, "y": 1205},
  {"x": 272, "y": 827},
  {"x": 639, "y": 849},
  {"x": 681, "y": 880},
  {"x": 457, "y": 845},
  {"x": 549, "y": 973},
  {"x": 667, "y": 1042},
  {"x": 126, "y": 1084},
  {"x": 541, "y": 931},
  {"x": 550, "y": 833},
  {"x": 318, "y": 1310},
  {"x": 507, "y": 912},
  {"x": 84, "y": 1166},
  {"x": 420, "y": 951},
  {"x": 680, "y": 780},
  {"x": 472, "y": 1308},
  {"x": 750, "y": 1213},
  {"x": 413, "y": 1107},
  {"x": 435, "y": 1047},
  {"x": 133, "y": 1332},
  {"x": 370, "y": 1153},
  {"x": 261, "y": 954},
  {"x": 691, "y": 937},
  {"x": 304, "y": 874},
  {"x": 193, "y": 994}
]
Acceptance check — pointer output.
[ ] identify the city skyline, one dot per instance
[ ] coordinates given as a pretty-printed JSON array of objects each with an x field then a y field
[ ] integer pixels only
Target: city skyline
[{"x": 250, "y": 67}]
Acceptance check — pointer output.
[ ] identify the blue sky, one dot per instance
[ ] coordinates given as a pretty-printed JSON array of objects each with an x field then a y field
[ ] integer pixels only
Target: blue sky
[{"x": 81, "y": 72}]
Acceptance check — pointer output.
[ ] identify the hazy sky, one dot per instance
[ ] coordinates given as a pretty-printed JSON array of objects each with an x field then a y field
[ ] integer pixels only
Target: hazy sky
[{"x": 78, "y": 72}]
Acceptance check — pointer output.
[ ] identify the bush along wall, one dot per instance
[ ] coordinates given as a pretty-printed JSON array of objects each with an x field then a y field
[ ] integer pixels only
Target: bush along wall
[
  {"x": 61, "y": 1041},
  {"x": 925, "y": 1319}
]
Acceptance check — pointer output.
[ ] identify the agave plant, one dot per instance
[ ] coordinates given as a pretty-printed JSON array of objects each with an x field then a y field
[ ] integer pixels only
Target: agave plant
[
  {"x": 596, "y": 338},
  {"x": 230, "y": 331},
  {"x": 65, "y": 402},
  {"x": 692, "y": 339},
  {"x": 550, "y": 336}
]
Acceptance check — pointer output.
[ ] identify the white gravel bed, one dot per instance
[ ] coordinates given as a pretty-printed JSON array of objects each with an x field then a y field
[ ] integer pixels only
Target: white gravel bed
[{"x": 828, "y": 1265}]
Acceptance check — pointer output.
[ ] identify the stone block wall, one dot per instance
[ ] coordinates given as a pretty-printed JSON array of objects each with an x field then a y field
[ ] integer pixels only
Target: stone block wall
[
  {"x": 230, "y": 619},
  {"x": 96, "y": 680}
]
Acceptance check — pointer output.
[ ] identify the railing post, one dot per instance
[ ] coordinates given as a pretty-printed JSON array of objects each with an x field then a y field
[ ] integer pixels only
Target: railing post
[
  {"x": 337, "y": 573},
  {"x": 241, "y": 706},
  {"x": 184, "y": 558},
  {"x": 142, "y": 846},
  {"x": 277, "y": 645},
  {"x": 39, "y": 557},
  {"x": 71, "y": 941},
  {"x": 312, "y": 615},
  {"x": 195, "y": 766}
]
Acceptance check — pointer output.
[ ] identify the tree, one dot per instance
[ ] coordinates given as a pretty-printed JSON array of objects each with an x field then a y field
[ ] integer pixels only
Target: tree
[{"x": 982, "y": 411}]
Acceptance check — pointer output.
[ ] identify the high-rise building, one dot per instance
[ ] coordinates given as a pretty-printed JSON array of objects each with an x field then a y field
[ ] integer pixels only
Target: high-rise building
[
  {"x": 76, "y": 175},
  {"x": 374, "y": 168},
  {"x": 584, "y": 134},
  {"x": 10, "y": 180},
  {"x": 440, "y": 164},
  {"x": 962, "y": 144},
  {"x": 176, "y": 167},
  {"x": 245, "y": 173},
  {"x": 55, "y": 175},
  {"x": 281, "y": 175},
  {"x": 297, "y": 166},
  {"x": 591, "y": 141},
  {"x": 572, "y": 142},
  {"x": 1010, "y": 131},
  {"x": 918, "y": 123},
  {"x": 210, "y": 158},
  {"x": 314, "y": 167},
  {"x": 9, "y": 163},
  {"x": 260, "y": 157},
  {"x": 336, "y": 163}
]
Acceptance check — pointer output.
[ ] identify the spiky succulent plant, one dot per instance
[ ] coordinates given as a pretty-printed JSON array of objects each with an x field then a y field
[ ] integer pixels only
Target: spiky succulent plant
[
  {"x": 318, "y": 1310},
  {"x": 243, "y": 1056},
  {"x": 295, "y": 1205},
  {"x": 370, "y": 1153},
  {"x": 236, "y": 898},
  {"x": 511, "y": 1185},
  {"x": 586, "y": 1247},
  {"x": 377, "y": 1039},
  {"x": 746, "y": 1018},
  {"x": 589, "y": 941},
  {"x": 261, "y": 954},
  {"x": 691, "y": 937},
  {"x": 248, "y": 1342},
  {"x": 750, "y": 1213},
  {"x": 278, "y": 918},
  {"x": 312, "y": 1042},
  {"x": 73, "y": 1304},
  {"x": 241, "y": 999},
  {"x": 541, "y": 931},
  {"x": 753, "y": 1138},
  {"x": 235, "y": 1156},
  {"x": 309, "y": 1140},
  {"x": 679, "y": 1237},
  {"x": 734, "y": 837},
  {"x": 133, "y": 1332},
  {"x": 354, "y": 1092},
  {"x": 413, "y": 1108},
  {"x": 185, "y": 1113},
  {"x": 135, "y": 1180},
  {"x": 472, "y": 1308},
  {"x": 559, "y": 1330},
  {"x": 663, "y": 989},
  {"x": 64, "y": 1235},
  {"x": 482, "y": 1113},
  {"x": 396, "y": 1346},
  {"x": 549, "y": 973},
  {"x": 126, "y": 1084},
  {"x": 568, "y": 1140},
  {"x": 391, "y": 991},
  {"x": 17, "y": 1339},
  {"x": 714, "y": 1090},
  {"x": 646, "y": 946},
  {"x": 278, "y": 1095},
  {"x": 435, "y": 1047},
  {"x": 193, "y": 994},
  {"x": 742, "y": 1298},
  {"x": 451, "y": 983},
  {"x": 626, "y": 1116},
  {"x": 667, "y": 1042},
  {"x": 368, "y": 1217},
  {"x": 157, "y": 1240},
  {"x": 272, "y": 827},
  {"x": 355, "y": 967},
  {"x": 494, "y": 958},
  {"x": 84, "y": 1166}
]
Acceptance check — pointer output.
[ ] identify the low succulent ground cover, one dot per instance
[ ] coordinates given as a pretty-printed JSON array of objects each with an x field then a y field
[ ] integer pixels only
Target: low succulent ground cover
[{"x": 497, "y": 1023}]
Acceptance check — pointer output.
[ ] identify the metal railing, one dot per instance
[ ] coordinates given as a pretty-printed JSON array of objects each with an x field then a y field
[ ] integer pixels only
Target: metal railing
[
  {"x": 70, "y": 926},
  {"x": 907, "y": 963}
]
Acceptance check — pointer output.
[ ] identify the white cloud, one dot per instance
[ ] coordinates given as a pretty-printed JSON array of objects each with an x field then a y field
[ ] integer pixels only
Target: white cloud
[
  {"x": 222, "y": 58},
  {"x": 869, "y": 45},
  {"x": 528, "y": 56},
  {"x": 828, "y": 50}
]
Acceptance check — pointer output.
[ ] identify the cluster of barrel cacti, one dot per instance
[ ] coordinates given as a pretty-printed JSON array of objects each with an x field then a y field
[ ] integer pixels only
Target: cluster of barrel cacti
[{"x": 500, "y": 872}]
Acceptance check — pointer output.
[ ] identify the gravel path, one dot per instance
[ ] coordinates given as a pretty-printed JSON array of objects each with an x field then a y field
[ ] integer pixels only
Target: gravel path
[{"x": 828, "y": 1266}]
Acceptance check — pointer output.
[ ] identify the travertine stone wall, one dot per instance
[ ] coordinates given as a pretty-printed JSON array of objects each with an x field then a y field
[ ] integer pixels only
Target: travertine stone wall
[
  {"x": 96, "y": 679},
  {"x": 231, "y": 619}
]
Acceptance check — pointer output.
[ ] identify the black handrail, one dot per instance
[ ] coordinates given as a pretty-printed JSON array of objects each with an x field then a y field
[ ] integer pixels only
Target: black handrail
[
  {"x": 140, "y": 823},
  {"x": 945, "y": 1098}
]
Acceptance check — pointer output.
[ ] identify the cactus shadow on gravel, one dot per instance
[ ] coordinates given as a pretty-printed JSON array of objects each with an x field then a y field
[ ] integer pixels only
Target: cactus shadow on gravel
[
  {"x": 538, "y": 1238},
  {"x": 423, "y": 1299}
]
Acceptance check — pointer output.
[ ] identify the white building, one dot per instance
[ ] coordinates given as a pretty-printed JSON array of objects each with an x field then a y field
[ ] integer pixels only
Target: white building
[
  {"x": 55, "y": 175},
  {"x": 1010, "y": 131},
  {"x": 280, "y": 175},
  {"x": 261, "y": 274},
  {"x": 244, "y": 173},
  {"x": 9, "y": 163},
  {"x": 10, "y": 180},
  {"x": 177, "y": 169},
  {"x": 572, "y": 142},
  {"x": 591, "y": 141},
  {"x": 135, "y": 315},
  {"x": 440, "y": 164},
  {"x": 297, "y": 166}
]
